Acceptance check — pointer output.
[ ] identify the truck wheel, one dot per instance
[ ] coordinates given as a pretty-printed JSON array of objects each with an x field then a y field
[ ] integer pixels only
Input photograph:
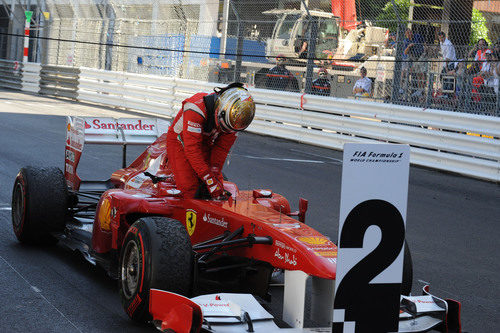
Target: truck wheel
[
  {"x": 39, "y": 204},
  {"x": 156, "y": 253},
  {"x": 407, "y": 272}
]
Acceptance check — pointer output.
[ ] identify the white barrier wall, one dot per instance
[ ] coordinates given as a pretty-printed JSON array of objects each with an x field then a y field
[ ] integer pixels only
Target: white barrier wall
[
  {"x": 31, "y": 77},
  {"x": 458, "y": 142}
]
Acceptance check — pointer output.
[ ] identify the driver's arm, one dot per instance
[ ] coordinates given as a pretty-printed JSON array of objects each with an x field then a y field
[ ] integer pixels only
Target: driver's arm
[
  {"x": 221, "y": 148},
  {"x": 193, "y": 142}
]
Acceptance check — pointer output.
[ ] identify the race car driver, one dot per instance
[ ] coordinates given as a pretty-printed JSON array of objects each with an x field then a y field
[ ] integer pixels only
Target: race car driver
[{"x": 202, "y": 134}]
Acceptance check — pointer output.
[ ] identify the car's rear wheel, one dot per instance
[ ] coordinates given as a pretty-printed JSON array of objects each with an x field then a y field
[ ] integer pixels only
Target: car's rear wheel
[
  {"x": 407, "y": 282},
  {"x": 156, "y": 253},
  {"x": 39, "y": 204}
]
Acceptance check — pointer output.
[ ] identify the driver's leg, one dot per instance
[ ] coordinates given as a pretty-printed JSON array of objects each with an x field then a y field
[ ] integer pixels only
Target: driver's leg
[{"x": 185, "y": 178}]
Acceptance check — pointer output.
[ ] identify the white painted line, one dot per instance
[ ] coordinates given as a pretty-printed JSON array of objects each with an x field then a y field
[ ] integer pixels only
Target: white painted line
[
  {"x": 280, "y": 159},
  {"x": 317, "y": 155},
  {"x": 5, "y": 206},
  {"x": 38, "y": 291}
]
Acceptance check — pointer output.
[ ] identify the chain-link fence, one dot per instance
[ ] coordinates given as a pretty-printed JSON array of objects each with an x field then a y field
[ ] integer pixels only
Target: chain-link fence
[{"x": 429, "y": 53}]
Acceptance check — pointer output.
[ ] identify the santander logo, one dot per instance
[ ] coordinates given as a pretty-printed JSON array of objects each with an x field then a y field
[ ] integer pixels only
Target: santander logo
[
  {"x": 130, "y": 125},
  {"x": 214, "y": 220}
]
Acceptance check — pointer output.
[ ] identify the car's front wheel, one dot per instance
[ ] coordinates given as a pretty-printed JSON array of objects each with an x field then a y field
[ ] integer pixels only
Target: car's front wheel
[
  {"x": 156, "y": 254},
  {"x": 407, "y": 282}
]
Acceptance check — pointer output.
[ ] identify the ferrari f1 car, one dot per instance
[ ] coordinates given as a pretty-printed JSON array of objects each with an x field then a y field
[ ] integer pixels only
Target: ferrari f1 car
[{"x": 138, "y": 227}]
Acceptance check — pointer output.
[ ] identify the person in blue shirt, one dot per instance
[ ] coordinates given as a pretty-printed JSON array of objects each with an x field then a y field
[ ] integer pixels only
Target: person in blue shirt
[
  {"x": 413, "y": 47},
  {"x": 391, "y": 42}
]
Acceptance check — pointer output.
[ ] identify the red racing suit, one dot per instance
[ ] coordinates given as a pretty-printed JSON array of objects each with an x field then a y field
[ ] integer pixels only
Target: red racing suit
[{"x": 195, "y": 147}]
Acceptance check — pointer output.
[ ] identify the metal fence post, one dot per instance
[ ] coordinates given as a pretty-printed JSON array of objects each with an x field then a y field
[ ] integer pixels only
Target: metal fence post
[
  {"x": 311, "y": 54},
  {"x": 396, "y": 82},
  {"x": 497, "y": 111},
  {"x": 110, "y": 13},
  {"x": 239, "y": 45},
  {"x": 430, "y": 89}
]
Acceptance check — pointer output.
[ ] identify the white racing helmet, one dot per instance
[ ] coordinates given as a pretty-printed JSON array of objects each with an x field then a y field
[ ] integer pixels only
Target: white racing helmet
[{"x": 234, "y": 109}]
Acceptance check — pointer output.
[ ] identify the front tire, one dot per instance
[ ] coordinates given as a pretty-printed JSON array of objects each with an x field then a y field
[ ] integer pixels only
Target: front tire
[
  {"x": 39, "y": 204},
  {"x": 407, "y": 281},
  {"x": 156, "y": 253}
]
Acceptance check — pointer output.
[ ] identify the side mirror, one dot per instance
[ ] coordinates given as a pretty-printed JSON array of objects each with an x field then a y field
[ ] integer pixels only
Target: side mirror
[
  {"x": 303, "y": 203},
  {"x": 285, "y": 42}
]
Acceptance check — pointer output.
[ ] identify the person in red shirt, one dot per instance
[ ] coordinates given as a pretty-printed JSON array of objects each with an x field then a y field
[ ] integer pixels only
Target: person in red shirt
[
  {"x": 202, "y": 134},
  {"x": 479, "y": 55}
]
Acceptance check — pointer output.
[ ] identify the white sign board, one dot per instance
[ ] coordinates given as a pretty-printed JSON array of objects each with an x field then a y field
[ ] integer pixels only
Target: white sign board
[{"x": 371, "y": 237}]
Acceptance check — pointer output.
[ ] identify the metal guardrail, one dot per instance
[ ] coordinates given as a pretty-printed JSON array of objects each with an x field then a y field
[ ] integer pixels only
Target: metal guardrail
[
  {"x": 10, "y": 74},
  {"x": 467, "y": 144},
  {"x": 126, "y": 90},
  {"x": 59, "y": 81},
  {"x": 462, "y": 143}
]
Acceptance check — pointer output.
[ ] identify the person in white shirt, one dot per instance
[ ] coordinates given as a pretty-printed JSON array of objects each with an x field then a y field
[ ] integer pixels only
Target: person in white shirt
[
  {"x": 447, "y": 50},
  {"x": 490, "y": 71},
  {"x": 363, "y": 86}
]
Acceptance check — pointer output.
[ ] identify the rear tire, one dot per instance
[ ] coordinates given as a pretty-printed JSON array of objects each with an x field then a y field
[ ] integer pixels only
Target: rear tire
[
  {"x": 156, "y": 253},
  {"x": 39, "y": 204},
  {"x": 407, "y": 281}
]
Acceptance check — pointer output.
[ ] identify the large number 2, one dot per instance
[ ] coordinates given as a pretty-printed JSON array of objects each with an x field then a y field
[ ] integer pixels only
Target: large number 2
[{"x": 373, "y": 307}]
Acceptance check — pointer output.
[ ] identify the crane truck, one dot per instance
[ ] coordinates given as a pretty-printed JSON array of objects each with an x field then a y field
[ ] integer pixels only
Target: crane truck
[{"x": 342, "y": 45}]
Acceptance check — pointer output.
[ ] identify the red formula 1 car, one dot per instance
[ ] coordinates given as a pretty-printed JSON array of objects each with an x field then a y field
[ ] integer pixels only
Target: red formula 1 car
[{"x": 140, "y": 229}]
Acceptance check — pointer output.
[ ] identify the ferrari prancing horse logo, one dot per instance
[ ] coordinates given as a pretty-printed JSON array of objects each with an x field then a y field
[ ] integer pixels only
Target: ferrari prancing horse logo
[{"x": 190, "y": 221}]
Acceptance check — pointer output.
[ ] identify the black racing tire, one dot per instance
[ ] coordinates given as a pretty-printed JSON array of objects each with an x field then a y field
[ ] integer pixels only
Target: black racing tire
[
  {"x": 407, "y": 282},
  {"x": 156, "y": 254},
  {"x": 39, "y": 204}
]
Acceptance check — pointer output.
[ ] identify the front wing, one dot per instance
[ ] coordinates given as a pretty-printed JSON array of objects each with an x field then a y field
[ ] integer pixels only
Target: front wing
[{"x": 226, "y": 312}]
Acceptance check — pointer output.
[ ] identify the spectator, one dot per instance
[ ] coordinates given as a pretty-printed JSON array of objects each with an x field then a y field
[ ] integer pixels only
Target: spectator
[
  {"x": 413, "y": 47},
  {"x": 302, "y": 42},
  {"x": 490, "y": 72},
  {"x": 390, "y": 43},
  {"x": 485, "y": 85},
  {"x": 488, "y": 66},
  {"x": 494, "y": 80},
  {"x": 303, "y": 49},
  {"x": 363, "y": 86},
  {"x": 496, "y": 49},
  {"x": 457, "y": 70},
  {"x": 321, "y": 86},
  {"x": 280, "y": 78},
  {"x": 447, "y": 50},
  {"x": 479, "y": 54},
  {"x": 420, "y": 68}
]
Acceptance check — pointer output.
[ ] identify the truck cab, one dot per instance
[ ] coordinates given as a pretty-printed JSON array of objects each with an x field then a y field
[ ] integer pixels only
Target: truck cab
[{"x": 293, "y": 27}]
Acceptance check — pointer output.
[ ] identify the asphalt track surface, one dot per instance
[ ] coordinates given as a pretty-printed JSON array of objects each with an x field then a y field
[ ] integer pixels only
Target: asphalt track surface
[{"x": 453, "y": 223}]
